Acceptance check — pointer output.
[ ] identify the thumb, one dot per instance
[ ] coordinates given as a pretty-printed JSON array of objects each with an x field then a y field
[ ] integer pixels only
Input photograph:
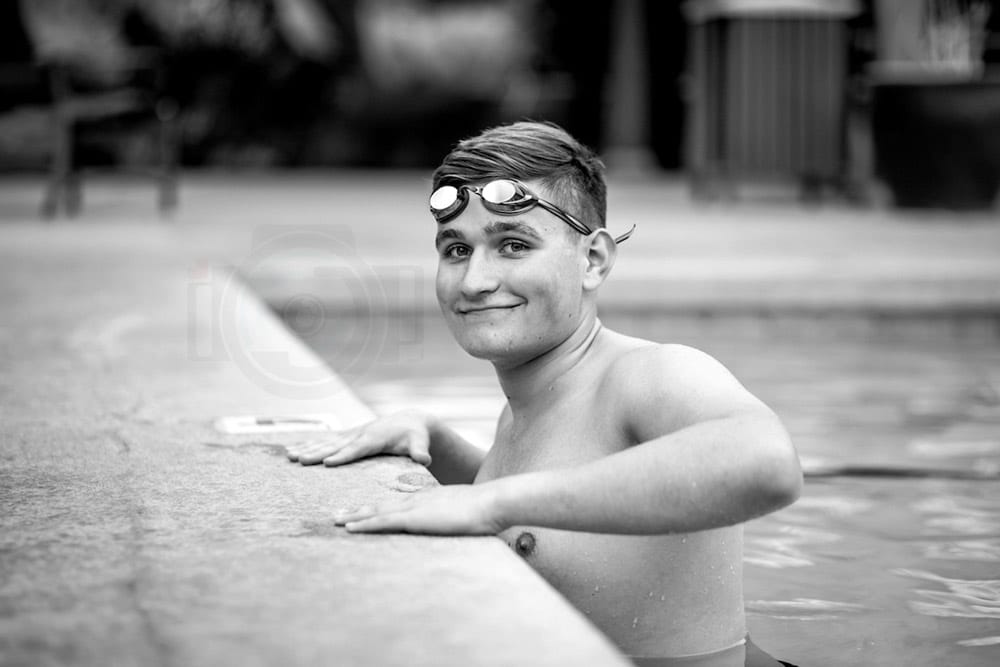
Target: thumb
[{"x": 418, "y": 448}]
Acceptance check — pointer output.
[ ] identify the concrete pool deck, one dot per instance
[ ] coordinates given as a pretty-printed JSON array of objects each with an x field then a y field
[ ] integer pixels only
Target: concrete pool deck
[{"x": 134, "y": 532}]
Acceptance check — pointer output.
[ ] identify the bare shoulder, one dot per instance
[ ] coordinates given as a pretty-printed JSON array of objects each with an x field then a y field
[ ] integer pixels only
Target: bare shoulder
[
  {"x": 657, "y": 359},
  {"x": 660, "y": 388}
]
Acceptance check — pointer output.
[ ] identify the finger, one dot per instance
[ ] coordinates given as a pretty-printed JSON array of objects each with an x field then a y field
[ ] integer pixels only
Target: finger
[
  {"x": 296, "y": 450},
  {"x": 350, "y": 451},
  {"x": 346, "y": 455},
  {"x": 381, "y": 523},
  {"x": 340, "y": 517},
  {"x": 418, "y": 447},
  {"x": 320, "y": 451},
  {"x": 293, "y": 451}
]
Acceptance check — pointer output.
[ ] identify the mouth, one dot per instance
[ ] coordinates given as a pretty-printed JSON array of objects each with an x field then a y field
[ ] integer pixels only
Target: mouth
[{"x": 485, "y": 309}]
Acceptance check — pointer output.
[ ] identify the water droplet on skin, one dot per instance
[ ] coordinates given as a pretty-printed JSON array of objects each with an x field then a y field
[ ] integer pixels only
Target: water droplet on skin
[
  {"x": 635, "y": 622},
  {"x": 650, "y": 594},
  {"x": 597, "y": 588},
  {"x": 662, "y": 598}
]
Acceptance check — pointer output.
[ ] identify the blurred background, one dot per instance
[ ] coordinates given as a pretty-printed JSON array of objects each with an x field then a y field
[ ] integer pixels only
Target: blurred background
[
  {"x": 824, "y": 94},
  {"x": 796, "y": 169}
]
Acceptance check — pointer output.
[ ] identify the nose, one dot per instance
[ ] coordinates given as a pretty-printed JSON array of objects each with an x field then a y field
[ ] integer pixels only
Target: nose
[{"x": 480, "y": 276}]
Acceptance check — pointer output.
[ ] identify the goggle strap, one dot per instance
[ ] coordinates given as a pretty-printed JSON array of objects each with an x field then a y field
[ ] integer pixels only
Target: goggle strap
[{"x": 625, "y": 236}]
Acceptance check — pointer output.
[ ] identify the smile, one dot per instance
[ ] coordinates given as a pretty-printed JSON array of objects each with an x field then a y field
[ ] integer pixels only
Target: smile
[{"x": 485, "y": 309}]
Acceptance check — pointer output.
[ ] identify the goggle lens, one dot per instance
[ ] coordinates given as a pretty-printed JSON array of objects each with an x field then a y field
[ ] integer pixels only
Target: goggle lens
[
  {"x": 499, "y": 192},
  {"x": 444, "y": 198}
]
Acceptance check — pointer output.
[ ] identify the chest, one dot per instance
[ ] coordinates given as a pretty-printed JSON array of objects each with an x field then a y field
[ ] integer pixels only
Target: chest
[{"x": 571, "y": 432}]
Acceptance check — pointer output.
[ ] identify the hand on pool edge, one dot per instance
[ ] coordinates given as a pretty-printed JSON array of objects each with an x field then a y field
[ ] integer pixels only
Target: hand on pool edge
[
  {"x": 457, "y": 509},
  {"x": 402, "y": 434}
]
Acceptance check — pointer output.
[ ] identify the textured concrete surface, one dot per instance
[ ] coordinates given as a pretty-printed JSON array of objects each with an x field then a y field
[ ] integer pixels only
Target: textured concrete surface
[{"x": 133, "y": 533}]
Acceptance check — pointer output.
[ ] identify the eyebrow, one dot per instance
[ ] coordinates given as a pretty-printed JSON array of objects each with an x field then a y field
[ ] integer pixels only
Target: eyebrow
[
  {"x": 447, "y": 234},
  {"x": 505, "y": 226},
  {"x": 493, "y": 228}
]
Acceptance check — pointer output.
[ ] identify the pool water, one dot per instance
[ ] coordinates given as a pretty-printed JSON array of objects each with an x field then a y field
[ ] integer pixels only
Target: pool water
[{"x": 892, "y": 555}]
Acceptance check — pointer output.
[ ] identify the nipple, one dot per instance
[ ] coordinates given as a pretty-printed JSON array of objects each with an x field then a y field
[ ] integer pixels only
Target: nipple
[{"x": 525, "y": 544}]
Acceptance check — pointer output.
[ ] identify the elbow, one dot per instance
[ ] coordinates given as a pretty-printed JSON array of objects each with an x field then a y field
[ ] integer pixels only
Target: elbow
[
  {"x": 780, "y": 479},
  {"x": 783, "y": 485}
]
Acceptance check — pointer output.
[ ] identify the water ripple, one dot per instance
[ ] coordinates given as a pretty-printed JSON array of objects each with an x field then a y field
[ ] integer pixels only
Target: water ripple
[
  {"x": 838, "y": 506},
  {"x": 803, "y": 609},
  {"x": 787, "y": 548},
  {"x": 946, "y": 449},
  {"x": 987, "y": 551},
  {"x": 965, "y": 598},
  {"x": 957, "y": 515},
  {"x": 980, "y": 641}
]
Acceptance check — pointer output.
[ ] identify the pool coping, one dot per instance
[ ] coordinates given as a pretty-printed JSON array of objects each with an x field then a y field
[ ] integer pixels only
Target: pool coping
[{"x": 140, "y": 533}]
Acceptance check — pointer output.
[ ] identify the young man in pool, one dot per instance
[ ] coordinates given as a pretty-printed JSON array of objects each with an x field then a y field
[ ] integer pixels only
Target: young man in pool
[{"x": 621, "y": 469}]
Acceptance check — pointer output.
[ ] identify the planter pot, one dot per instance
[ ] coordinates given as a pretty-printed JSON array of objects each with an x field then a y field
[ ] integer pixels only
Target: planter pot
[{"x": 937, "y": 143}]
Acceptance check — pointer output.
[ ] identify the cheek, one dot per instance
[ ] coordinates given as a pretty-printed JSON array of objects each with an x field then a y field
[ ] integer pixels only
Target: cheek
[
  {"x": 444, "y": 283},
  {"x": 565, "y": 275},
  {"x": 556, "y": 288}
]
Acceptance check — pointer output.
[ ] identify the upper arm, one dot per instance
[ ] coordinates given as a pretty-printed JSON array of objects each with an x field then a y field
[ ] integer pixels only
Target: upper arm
[{"x": 661, "y": 389}]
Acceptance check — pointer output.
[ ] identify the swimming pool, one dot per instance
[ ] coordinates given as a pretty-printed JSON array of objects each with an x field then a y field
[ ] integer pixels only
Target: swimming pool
[{"x": 892, "y": 555}]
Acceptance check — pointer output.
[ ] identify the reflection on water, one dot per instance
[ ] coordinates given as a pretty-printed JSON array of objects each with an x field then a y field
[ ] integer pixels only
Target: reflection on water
[
  {"x": 803, "y": 609},
  {"x": 978, "y": 550},
  {"x": 950, "y": 515},
  {"x": 964, "y": 598},
  {"x": 982, "y": 641},
  {"x": 941, "y": 449},
  {"x": 789, "y": 547}
]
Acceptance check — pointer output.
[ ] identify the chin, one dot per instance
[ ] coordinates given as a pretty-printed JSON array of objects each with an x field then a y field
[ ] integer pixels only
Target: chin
[
  {"x": 487, "y": 344},
  {"x": 488, "y": 348}
]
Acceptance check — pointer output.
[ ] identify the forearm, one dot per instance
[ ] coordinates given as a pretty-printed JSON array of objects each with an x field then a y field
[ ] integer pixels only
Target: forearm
[
  {"x": 714, "y": 474},
  {"x": 454, "y": 460}
]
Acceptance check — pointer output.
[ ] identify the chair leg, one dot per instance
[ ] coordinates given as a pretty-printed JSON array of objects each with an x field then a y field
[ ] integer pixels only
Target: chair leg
[
  {"x": 168, "y": 171},
  {"x": 73, "y": 193},
  {"x": 168, "y": 194},
  {"x": 62, "y": 164}
]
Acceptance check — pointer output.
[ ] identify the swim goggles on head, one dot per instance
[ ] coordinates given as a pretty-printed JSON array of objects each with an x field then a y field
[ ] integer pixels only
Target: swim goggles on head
[{"x": 504, "y": 197}]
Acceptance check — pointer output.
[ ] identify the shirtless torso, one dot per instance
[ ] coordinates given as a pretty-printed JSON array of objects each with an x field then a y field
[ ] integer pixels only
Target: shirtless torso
[{"x": 652, "y": 595}]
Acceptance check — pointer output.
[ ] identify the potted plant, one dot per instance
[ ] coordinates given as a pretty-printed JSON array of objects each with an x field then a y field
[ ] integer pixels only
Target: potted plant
[{"x": 936, "y": 109}]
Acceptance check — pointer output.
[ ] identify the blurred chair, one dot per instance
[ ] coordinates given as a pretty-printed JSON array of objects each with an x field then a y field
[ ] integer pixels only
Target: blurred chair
[
  {"x": 127, "y": 101},
  {"x": 81, "y": 103}
]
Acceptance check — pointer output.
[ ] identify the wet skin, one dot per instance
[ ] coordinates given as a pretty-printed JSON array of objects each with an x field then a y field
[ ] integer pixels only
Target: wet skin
[
  {"x": 653, "y": 595},
  {"x": 621, "y": 469}
]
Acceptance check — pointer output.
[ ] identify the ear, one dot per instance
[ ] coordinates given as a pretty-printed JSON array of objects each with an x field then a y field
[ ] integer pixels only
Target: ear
[{"x": 601, "y": 251}]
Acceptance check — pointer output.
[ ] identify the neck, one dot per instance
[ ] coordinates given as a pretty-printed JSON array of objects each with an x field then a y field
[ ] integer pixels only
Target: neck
[{"x": 546, "y": 375}]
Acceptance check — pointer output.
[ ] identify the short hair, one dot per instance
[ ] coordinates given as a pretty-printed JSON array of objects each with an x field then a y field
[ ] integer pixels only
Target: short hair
[{"x": 530, "y": 150}]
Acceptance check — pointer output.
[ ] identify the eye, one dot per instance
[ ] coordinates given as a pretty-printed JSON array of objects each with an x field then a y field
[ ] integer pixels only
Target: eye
[
  {"x": 456, "y": 251},
  {"x": 514, "y": 246}
]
